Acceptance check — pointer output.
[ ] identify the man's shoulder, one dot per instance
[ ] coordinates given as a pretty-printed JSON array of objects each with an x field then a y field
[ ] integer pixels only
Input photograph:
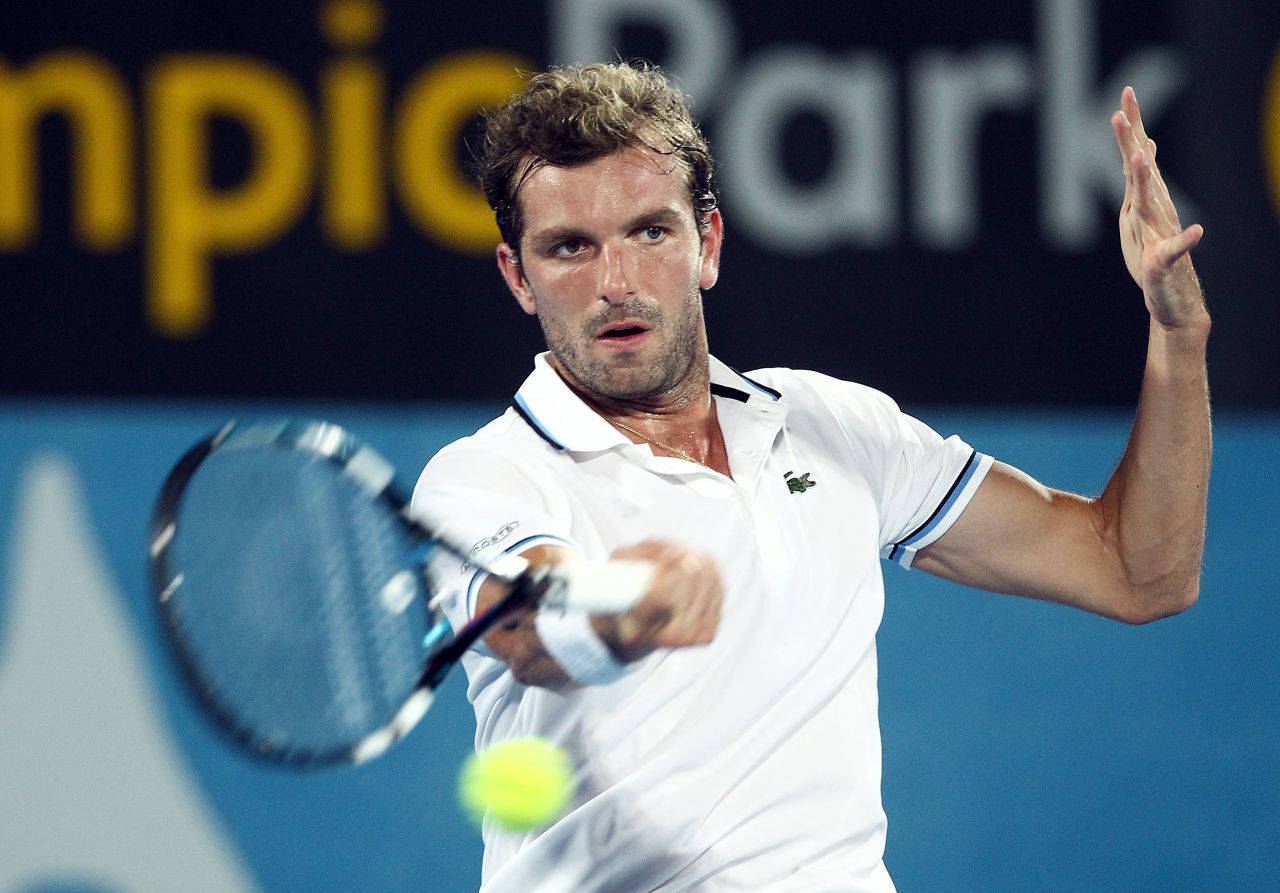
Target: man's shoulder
[{"x": 506, "y": 440}]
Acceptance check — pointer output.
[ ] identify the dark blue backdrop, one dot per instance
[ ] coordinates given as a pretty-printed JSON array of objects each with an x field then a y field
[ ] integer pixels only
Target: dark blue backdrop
[{"x": 915, "y": 196}]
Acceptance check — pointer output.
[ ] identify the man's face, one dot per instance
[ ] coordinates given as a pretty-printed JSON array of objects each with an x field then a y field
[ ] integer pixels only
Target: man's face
[{"x": 612, "y": 264}]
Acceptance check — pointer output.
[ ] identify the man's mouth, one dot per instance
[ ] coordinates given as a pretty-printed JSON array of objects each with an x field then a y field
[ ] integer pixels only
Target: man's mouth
[{"x": 624, "y": 334}]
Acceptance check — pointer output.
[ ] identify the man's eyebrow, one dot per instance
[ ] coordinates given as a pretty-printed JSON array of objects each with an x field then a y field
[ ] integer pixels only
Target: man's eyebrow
[
  {"x": 657, "y": 217},
  {"x": 554, "y": 235}
]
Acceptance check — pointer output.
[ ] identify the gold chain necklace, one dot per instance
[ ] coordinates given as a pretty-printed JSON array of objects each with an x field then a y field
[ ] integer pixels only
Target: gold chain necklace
[{"x": 658, "y": 443}]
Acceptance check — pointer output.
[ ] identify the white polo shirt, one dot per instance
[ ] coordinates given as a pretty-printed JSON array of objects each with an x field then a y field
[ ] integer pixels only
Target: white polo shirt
[{"x": 752, "y": 763}]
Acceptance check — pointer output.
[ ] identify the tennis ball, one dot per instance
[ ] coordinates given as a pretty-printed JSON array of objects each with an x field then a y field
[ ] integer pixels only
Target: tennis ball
[{"x": 520, "y": 784}]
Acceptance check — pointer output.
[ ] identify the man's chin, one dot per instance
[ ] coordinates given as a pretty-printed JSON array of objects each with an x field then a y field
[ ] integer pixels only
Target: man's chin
[
  {"x": 626, "y": 378},
  {"x": 621, "y": 375},
  {"x": 623, "y": 386}
]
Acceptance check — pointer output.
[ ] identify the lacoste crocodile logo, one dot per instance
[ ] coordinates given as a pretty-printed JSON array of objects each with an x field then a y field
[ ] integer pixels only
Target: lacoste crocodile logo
[{"x": 800, "y": 484}]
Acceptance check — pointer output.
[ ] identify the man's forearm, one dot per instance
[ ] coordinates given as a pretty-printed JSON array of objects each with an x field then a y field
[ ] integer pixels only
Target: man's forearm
[{"x": 1152, "y": 512}]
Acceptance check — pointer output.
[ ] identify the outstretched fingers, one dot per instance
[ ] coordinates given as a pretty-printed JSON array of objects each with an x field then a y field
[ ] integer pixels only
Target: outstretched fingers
[
  {"x": 1151, "y": 236},
  {"x": 1151, "y": 196},
  {"x": 1129, "y": 103},
  {"x": 1145, "y": 199},
  {"x": 1124, "y": 140}
]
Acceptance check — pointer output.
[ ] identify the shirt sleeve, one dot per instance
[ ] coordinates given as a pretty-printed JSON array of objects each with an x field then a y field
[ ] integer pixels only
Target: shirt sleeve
[
  {"x": 922, "y": 481},
  {"x": 488, "y": 504},
  {"x": 491, "y": 505},
  {"x": 929, "y": 482}
]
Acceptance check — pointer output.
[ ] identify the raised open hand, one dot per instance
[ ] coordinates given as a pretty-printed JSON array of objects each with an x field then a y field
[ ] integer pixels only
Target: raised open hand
[{"x": 1154, "y": 243}]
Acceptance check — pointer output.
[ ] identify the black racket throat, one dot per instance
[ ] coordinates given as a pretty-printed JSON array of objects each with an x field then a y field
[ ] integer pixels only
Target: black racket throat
[{"x": 526, "y": 591}]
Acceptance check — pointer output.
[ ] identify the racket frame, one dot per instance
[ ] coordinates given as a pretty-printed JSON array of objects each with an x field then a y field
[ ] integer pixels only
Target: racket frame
[{"x": 334, "y": 444}]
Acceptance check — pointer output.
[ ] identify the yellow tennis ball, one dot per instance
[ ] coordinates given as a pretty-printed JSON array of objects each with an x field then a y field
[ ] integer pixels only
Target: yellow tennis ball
[{"x": 520, "y": 784}]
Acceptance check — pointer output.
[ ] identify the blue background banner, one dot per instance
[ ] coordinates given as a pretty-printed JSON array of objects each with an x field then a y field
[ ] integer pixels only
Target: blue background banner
[{"x": 1026, "y": 746}]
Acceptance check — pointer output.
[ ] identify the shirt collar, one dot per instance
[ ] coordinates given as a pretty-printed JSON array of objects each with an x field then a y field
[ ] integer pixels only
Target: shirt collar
[{"x": 554, "y": 411}]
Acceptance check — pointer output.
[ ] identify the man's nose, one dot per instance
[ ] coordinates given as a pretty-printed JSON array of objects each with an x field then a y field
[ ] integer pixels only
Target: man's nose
[{"x": 617, "y": 275}]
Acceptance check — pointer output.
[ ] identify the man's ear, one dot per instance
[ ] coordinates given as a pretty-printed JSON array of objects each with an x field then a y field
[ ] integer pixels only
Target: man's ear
[
  {"x": 513, "y": 274},
  {"x": 712, "y": 238}
]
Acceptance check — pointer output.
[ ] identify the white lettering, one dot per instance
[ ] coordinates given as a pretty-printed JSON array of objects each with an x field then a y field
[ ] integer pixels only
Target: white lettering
[
  {"x": 1079, "y": 162},
  {"x": 950, "y": 93},
  {"x": 856, "y": 201},
  {"x": 699, "y": 33}
]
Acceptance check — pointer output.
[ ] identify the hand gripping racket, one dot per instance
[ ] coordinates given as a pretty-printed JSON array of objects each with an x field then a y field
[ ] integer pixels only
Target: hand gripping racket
[{"x": 294, "y": 589}]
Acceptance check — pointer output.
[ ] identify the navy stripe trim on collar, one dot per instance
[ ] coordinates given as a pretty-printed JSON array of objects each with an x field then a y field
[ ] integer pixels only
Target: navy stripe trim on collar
[
  {"x": 776, "y": 395},
  {"x": 721, "y": 390},
  {"x": 518, "y": 405}
]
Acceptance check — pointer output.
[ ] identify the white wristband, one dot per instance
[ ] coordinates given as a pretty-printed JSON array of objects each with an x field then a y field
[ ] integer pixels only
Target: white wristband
[
  {"x": 606, "y": 587},
  {"x": 569, "y": 637}
]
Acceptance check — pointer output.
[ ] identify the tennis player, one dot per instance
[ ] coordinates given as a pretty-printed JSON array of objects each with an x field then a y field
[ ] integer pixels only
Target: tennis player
[{"x": 724, "y": 731}]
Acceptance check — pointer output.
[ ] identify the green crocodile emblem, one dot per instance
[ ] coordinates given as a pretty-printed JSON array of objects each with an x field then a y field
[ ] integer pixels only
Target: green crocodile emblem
[{"x": 800, "y": 484}]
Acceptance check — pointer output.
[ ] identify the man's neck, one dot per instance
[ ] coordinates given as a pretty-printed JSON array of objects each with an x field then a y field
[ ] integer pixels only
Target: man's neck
[{"x": 680, "y": 421}]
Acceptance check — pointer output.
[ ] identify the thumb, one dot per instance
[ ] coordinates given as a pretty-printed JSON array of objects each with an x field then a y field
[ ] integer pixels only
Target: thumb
[{"x": 1174, "y": 247}]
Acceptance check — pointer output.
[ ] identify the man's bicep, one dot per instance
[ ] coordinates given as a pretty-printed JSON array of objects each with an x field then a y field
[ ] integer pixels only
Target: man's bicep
[{"x": 1020, "y": 537}]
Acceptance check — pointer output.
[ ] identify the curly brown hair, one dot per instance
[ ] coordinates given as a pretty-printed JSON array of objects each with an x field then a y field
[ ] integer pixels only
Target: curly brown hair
[{"x": 575, "y": 114}]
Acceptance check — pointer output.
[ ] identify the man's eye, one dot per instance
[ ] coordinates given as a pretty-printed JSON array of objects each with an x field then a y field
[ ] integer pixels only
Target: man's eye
[
  {"x": 652, "y": 233},
  {"x": 567, "y": 249}
]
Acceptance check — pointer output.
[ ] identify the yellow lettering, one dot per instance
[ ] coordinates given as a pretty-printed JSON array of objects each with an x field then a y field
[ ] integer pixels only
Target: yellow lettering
[
  {"x": 1271, "y": 129},
  {"x": 353, "y": 211},
  {"x": 435, "y": 107},
  {"x": 96, "y": 105},
  {"x": 351, "y": 23},
  {"x": 190, "y": 221}
]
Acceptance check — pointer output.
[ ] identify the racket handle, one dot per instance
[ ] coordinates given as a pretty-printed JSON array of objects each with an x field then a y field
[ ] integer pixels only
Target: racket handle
[{"x": 611, "y": 587}]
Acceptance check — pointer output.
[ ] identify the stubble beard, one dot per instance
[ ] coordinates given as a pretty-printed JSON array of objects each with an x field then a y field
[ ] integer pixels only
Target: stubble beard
[{"x": 632, "y": 378}]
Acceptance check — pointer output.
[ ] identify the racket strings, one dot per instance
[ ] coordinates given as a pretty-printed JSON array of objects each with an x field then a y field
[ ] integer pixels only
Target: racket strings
[
  {"x": 391, "y": 650},
  {"x": 286, "y": 563}
]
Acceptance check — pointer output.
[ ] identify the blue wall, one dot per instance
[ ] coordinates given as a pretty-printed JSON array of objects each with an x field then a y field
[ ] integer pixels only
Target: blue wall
[{"x": 1026, "y": 746}]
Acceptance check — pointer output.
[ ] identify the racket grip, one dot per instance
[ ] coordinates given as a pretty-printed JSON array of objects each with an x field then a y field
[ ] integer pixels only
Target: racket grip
[{"x": 610, "y": 587}]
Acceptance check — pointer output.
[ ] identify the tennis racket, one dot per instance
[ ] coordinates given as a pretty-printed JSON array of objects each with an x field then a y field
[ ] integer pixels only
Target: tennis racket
[{"x": 296, "y": 592}]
